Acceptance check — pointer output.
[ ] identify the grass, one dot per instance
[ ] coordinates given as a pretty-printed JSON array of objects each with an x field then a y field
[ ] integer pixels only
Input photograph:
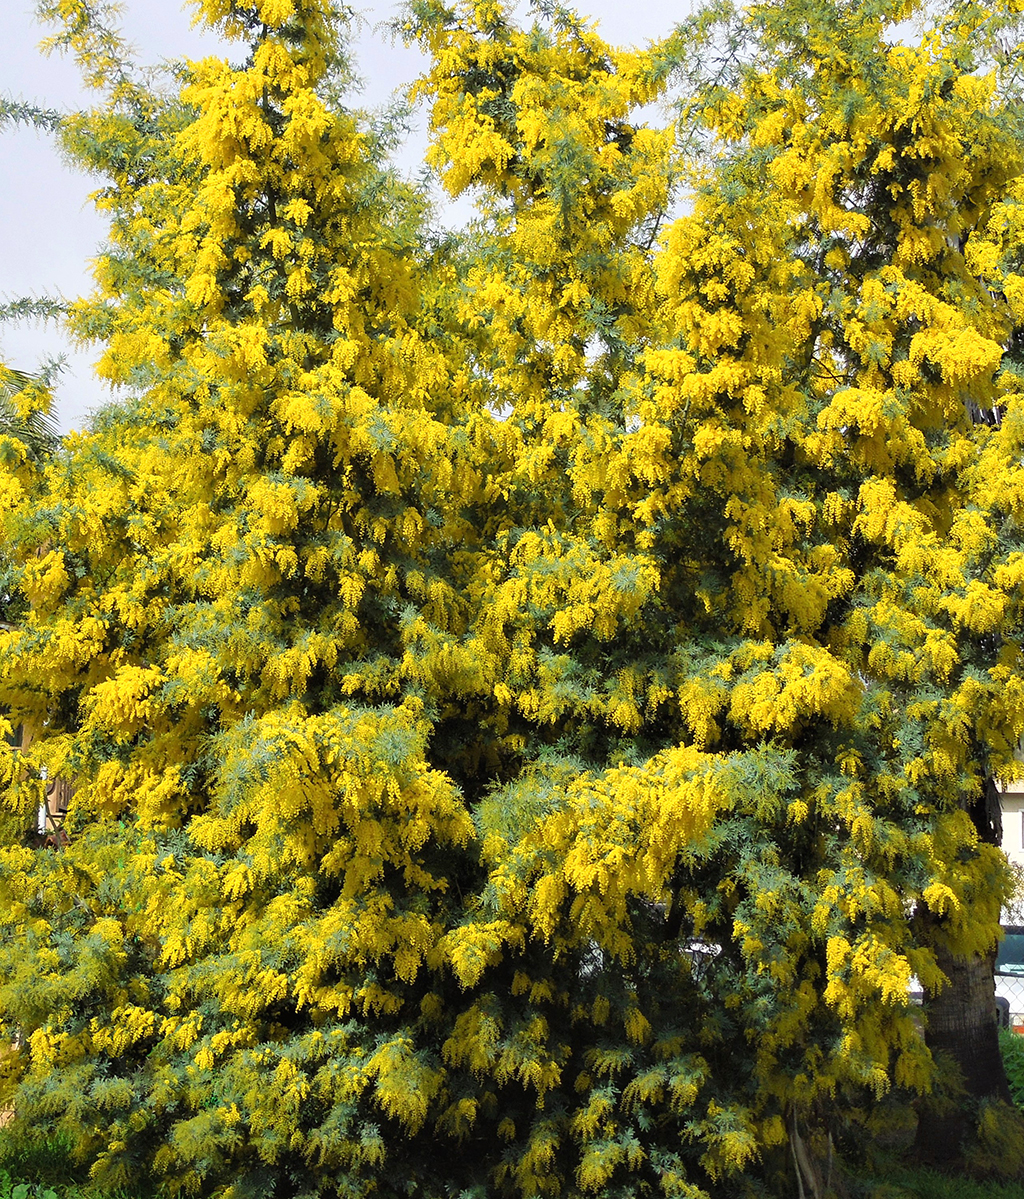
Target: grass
[
  {"x": 44, "y": 1169},
  {"x": 927, "y": 1184},
  {"x": 47, "y": 1164}
]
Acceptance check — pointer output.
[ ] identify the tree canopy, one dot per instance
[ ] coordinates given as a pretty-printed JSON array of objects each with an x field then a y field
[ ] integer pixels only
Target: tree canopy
[{"x": 533, "y": 693}]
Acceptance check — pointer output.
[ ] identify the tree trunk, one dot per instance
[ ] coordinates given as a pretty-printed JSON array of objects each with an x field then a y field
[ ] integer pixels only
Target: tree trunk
[{"x": 962, "y": 1025}]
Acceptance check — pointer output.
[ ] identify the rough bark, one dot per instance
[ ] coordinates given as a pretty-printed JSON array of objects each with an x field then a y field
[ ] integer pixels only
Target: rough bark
[{"x": 962, "y": 1025}]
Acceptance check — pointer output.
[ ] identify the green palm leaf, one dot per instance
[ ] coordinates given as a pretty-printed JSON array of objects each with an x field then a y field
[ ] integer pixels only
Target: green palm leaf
[{"x": 37, "y": 429}]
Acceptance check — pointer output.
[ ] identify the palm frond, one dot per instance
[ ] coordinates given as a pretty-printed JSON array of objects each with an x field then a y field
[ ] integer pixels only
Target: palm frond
[{"x": 35, "y": 428}]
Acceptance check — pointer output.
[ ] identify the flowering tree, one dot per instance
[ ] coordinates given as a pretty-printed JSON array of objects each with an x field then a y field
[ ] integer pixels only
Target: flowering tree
[{"x": 534, "y": 693}]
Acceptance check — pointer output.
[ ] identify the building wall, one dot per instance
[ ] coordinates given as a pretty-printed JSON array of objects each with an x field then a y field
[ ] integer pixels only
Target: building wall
[
  {"x": 1013, "y": 841},
  {"x": 1013, "y": 823}
]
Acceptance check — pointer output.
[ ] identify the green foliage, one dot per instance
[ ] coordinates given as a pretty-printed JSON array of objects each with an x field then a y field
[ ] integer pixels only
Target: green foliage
[
  {"x": 9, "y": 1189},
  {"x": 34, "y": 1168},
  {"x": 43, "y": 1159},
  {"x": 46, "y": 1170},
  {"x": 526, "y": 692},
  {"x": 17, "y": 112},
  {"x": 900, "y": 1182},
  {"x": 1011, "y": 1045},
  {"x": 997, "y": 1150},
  {"x": 44, "y": 1164},
  {"x": 25, "y": 410}
]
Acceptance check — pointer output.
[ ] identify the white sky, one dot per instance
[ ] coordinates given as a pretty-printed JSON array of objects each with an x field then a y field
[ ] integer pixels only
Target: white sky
[{"x": 48, "y": 230}]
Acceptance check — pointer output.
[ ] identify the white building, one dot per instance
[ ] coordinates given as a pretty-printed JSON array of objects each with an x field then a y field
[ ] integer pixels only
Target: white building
[
  {"x": 1012, "y": 803},
  {"x": 1013, "y": 822}
]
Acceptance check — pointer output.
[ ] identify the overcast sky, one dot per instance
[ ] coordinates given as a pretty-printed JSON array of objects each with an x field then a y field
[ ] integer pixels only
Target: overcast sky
[{"x": 47, "y": 225}]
